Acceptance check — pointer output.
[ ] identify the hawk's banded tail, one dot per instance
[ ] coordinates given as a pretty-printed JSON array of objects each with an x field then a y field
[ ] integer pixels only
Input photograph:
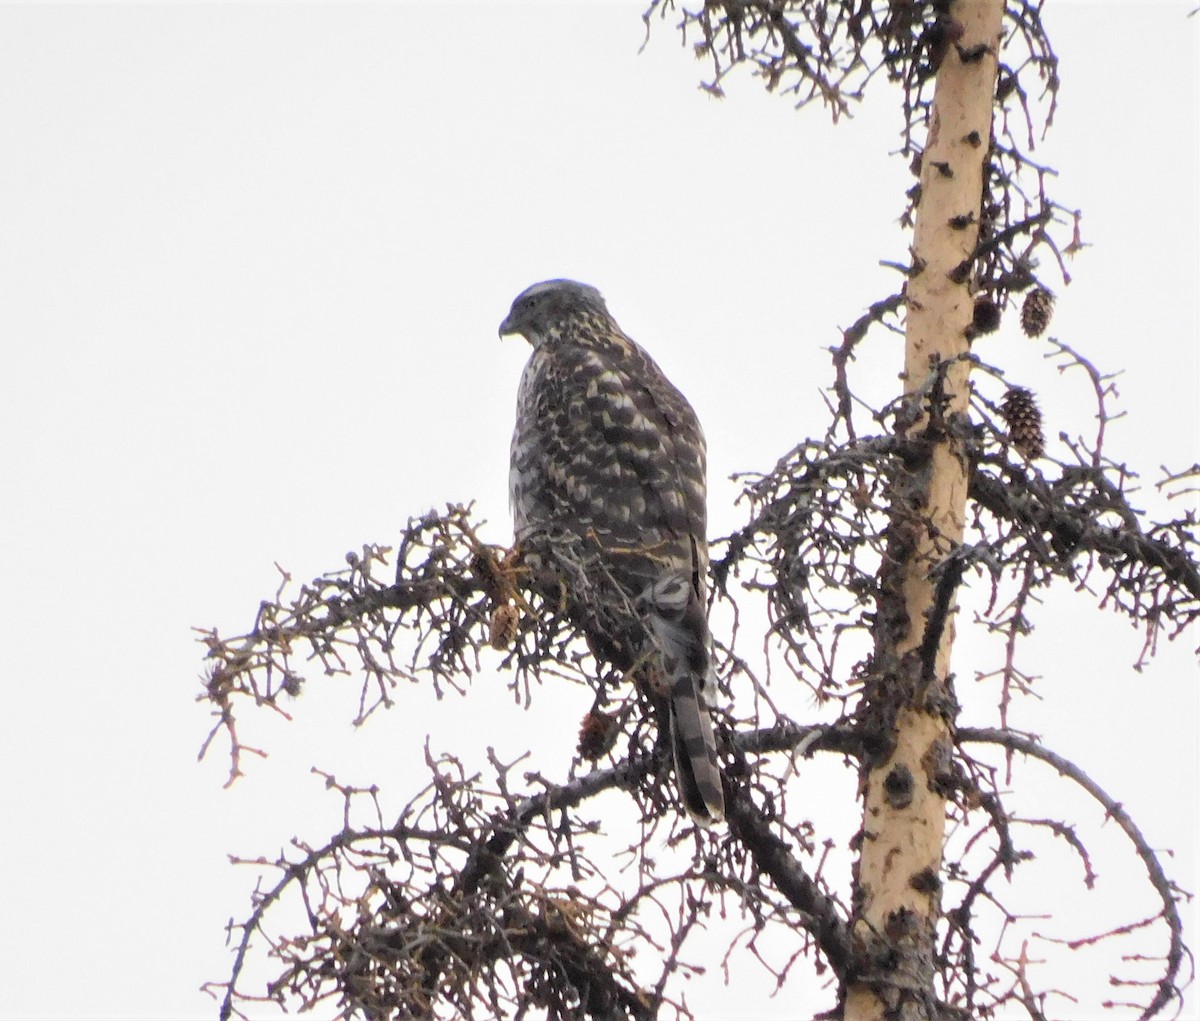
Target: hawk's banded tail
[
  {"x": 681, "y": 634},
  {"x": 695, "y": 754}
]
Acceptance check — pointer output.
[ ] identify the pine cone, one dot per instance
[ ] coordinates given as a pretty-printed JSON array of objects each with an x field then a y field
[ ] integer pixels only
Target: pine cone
[
  {"x": 597, "y": 734},
  {"x": 1036, "y": 311},
  {"x": 1024, "y": 420},
  {"x": 505, "y": 618}
]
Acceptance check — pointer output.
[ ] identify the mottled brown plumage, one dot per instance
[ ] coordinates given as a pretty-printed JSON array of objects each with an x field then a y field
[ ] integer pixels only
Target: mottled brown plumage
[{"x": 607, "y": 484}]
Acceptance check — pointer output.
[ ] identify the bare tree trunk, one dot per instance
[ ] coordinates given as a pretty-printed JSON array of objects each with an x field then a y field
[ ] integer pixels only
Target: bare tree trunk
[{"x": 909, "y": 706}]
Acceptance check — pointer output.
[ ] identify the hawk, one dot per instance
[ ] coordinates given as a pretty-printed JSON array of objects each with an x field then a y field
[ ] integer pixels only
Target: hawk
[{"x": 607, "y": 485}]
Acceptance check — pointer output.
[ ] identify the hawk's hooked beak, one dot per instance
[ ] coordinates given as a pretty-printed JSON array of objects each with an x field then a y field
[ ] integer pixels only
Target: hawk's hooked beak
[{"x": 506, "y": 327}]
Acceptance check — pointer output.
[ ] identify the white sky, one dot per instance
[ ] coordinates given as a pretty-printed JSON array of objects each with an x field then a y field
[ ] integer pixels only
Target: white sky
[{"x": 252, "y": 261}]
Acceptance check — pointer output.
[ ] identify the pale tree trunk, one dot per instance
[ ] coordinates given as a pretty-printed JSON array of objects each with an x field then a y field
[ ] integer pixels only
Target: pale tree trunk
[{"x": 909, "y": 706}]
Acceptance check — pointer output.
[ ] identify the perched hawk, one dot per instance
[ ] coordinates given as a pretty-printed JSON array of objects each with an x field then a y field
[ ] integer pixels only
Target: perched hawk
[{"x": 607, "y": 484}]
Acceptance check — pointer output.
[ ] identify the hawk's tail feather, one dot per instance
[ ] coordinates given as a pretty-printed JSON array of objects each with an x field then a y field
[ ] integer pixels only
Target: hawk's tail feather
[
  {"x": 680, "y": 631},
  {"x": 695, "y": 748}
]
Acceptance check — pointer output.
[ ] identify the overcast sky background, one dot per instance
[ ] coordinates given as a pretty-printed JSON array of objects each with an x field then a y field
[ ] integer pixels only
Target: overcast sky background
[{"x": 252, "y": 261}]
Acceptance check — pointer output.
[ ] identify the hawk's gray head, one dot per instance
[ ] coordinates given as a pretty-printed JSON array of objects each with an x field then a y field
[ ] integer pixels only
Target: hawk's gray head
[{"x": 542, "y": 309}]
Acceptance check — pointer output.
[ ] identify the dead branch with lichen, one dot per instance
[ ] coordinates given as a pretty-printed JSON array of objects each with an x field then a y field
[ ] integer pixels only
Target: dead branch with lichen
[{"x": 470, "y": 873}]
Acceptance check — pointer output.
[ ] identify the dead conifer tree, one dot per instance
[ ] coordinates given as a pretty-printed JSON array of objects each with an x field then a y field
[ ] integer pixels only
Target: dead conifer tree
[
  {"x": 908, "y": 705},
  {"x": 497, "y": 895}
]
